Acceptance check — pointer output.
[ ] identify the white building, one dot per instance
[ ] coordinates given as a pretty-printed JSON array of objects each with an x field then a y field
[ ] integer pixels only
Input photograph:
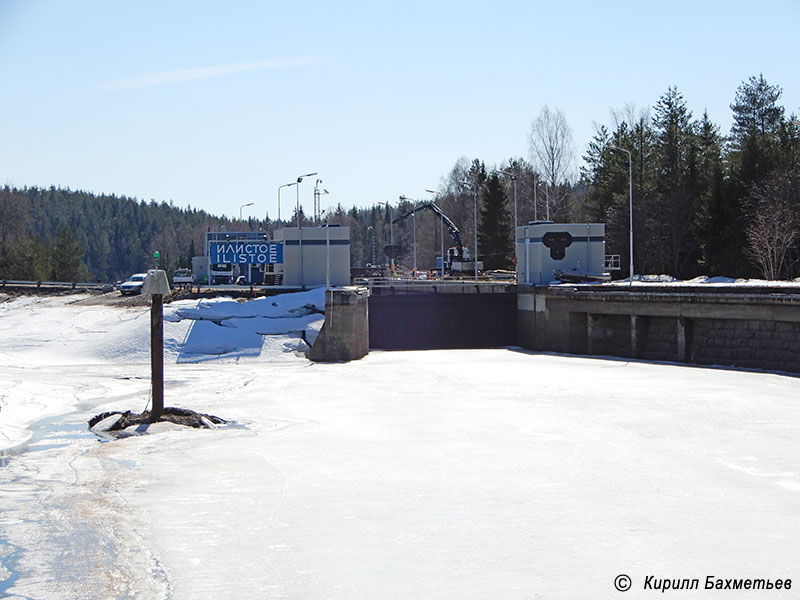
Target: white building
[
  {"x": 543, "y": 248},
  {"x": 311, "y": 253},
  {"x": 306, "y": 257}
]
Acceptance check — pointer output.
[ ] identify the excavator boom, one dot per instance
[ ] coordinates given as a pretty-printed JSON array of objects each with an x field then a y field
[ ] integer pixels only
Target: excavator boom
[{"x": 451, "y": 227}]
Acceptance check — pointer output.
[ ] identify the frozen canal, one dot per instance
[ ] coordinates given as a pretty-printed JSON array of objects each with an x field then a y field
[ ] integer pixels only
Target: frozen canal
[{"x": 441, "y": 474}]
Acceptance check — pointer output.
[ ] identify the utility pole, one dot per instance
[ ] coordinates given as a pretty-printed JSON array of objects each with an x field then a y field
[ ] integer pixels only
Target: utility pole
[
  {"x": 475, "y": 221},
  {"x": 630, "y": 201}
]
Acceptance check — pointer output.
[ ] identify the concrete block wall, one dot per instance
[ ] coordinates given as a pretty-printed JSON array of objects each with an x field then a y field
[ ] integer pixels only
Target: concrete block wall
[
  {"x": 660, "y": 338},
  {"x": 773, "y": 345},
  {"x": 713, "y": 328},
  {"x": 609, "y": 334}
]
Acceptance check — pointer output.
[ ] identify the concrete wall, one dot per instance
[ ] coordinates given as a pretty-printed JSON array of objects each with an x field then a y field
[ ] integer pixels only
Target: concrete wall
[
  {"x": 421, "y": 321},
  {"x": 757, "y": 330},
  {"x": 710, "y": 328},
  {"x": 345, "y": 333}
]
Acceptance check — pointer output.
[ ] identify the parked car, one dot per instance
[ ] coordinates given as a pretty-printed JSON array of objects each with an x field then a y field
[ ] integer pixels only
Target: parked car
[
  {"x": 182, "y": 277},
  {"x": 134, "y": 284}
]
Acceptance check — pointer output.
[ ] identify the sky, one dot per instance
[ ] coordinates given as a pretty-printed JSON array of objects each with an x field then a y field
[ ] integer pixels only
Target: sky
[{"x": 215, "y": 105}]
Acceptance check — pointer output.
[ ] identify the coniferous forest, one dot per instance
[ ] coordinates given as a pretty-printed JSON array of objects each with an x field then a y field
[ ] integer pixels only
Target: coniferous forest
[{"x": 704, "y": 202}]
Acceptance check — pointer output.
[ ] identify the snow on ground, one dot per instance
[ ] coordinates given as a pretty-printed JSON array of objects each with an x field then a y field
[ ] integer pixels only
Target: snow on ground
[
  {"x": 439, "y": 474},
  {"x": 704, "y": 280},
  {"x": 46, "y": 334}
]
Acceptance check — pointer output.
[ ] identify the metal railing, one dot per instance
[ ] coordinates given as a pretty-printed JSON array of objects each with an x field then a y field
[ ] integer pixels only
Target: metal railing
[
  {"x": 422, "y": 285},
  {"x": 56, "y": 284},
  {"x": 612, "y": 262}
]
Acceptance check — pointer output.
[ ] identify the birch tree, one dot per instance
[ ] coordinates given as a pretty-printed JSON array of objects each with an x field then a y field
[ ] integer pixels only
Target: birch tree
[{"x": 552, "y": 154}]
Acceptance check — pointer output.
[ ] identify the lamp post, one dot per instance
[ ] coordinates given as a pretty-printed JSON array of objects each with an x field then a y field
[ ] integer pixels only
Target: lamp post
[
  {"x": 546, "y": 202},
  {"x": 373, "y": 257},
  {"x": 299, "y": 228},
  {"x": 279, "y": 196},
  {"x": 242, "y": 206},
  {"x": 317, "y": 206},
  {"x": 391, "y": 235},
  {"x": 630, "y": 201},
  {"x": 299, "y": 180},
  {"x": 514, "y": 185},
  {"x": 413, "y": 216},
  {"x": 475, "y": 220},
  {"x": 441, "y": 236},
  {"x": 536, "y": 185},
  {"x": 326, "y": 213}
]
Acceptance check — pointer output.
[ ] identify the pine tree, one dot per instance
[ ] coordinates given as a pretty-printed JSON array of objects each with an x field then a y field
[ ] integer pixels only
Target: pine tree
[
  {"x": 713, "y": 215},
  {"x": 675, "y": 202},
  {"x": 495, "y": 237},
  {"x": 66, "y": 261}
]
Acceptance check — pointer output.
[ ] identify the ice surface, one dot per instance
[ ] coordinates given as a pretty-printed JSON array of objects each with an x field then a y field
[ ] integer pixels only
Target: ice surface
[{"x": 441, "y": 474}]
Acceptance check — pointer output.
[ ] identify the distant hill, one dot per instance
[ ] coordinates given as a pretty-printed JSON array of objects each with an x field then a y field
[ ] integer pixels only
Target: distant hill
[{"x": 65, "y": 235}]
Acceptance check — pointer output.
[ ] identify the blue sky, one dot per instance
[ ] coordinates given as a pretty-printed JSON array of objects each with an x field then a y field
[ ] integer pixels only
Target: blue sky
[{"x": 215, "y": 105}]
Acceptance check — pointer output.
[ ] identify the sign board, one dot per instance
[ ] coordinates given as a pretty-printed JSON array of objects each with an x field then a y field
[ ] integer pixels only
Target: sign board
[{"x": 254, "y": 253}]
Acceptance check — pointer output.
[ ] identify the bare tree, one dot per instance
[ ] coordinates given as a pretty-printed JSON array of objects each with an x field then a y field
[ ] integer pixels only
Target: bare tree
[
  {"x": 552, "y": 152},
  {"x": 630, "y": 116},
  {"x": 774, "y": 224}
]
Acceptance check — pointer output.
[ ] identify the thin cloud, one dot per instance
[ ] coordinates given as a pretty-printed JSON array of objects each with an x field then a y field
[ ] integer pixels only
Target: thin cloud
[{"x": 194, "y": 74}]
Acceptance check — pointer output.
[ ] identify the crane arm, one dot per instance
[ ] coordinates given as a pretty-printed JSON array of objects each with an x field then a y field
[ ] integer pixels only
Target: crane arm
[{"x": 451, "y": 227}]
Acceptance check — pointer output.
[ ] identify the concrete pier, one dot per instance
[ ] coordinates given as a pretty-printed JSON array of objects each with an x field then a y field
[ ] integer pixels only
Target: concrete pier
[{"x": 345, "y": 333}]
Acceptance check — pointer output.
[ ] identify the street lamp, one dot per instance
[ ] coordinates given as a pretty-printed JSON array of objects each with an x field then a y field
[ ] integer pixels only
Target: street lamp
[
  {"x": 630, "y": 200},
  {"x": 299, "y": 180},
  {"x": 317, "y": 206},
  {"x": 391, "y": 236},
  {"x": 279, "y": 196},
  {"x": 413, "y": 216},
  {"x": 441, "y": 234},
  {"x": 242, "y": 206},
  {"x": 299, "y": 228},
  {"x": 514, "y": 185},
  {"x": 536, "y": 185},
  {"x": 327, "y": 215},
  {"x": 475, "y": 219}
]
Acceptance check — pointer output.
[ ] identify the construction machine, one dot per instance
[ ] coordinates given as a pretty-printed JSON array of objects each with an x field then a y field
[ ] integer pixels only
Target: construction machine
[{"x": 457, "y": 258}]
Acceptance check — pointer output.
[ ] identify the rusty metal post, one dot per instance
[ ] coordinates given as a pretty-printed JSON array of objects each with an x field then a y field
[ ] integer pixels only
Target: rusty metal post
[
  {"x": 157, "y": 355},
  {"x": 157, "y": 285}
]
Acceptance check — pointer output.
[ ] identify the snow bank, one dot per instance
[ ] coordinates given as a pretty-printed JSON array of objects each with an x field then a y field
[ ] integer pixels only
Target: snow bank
[
  {"x": 274, "y": 307},
  {"x": 222, "y": 327},
  {"x": 42, "y": 335},
  {"x": 645, "y": 280},
  {"x": 704, "y": 280}
]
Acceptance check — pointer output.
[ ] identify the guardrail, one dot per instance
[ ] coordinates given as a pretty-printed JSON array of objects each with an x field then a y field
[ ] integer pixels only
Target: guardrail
[
  {"x": 437, "y": 285},
  {"x": 56, "y": 284}
]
